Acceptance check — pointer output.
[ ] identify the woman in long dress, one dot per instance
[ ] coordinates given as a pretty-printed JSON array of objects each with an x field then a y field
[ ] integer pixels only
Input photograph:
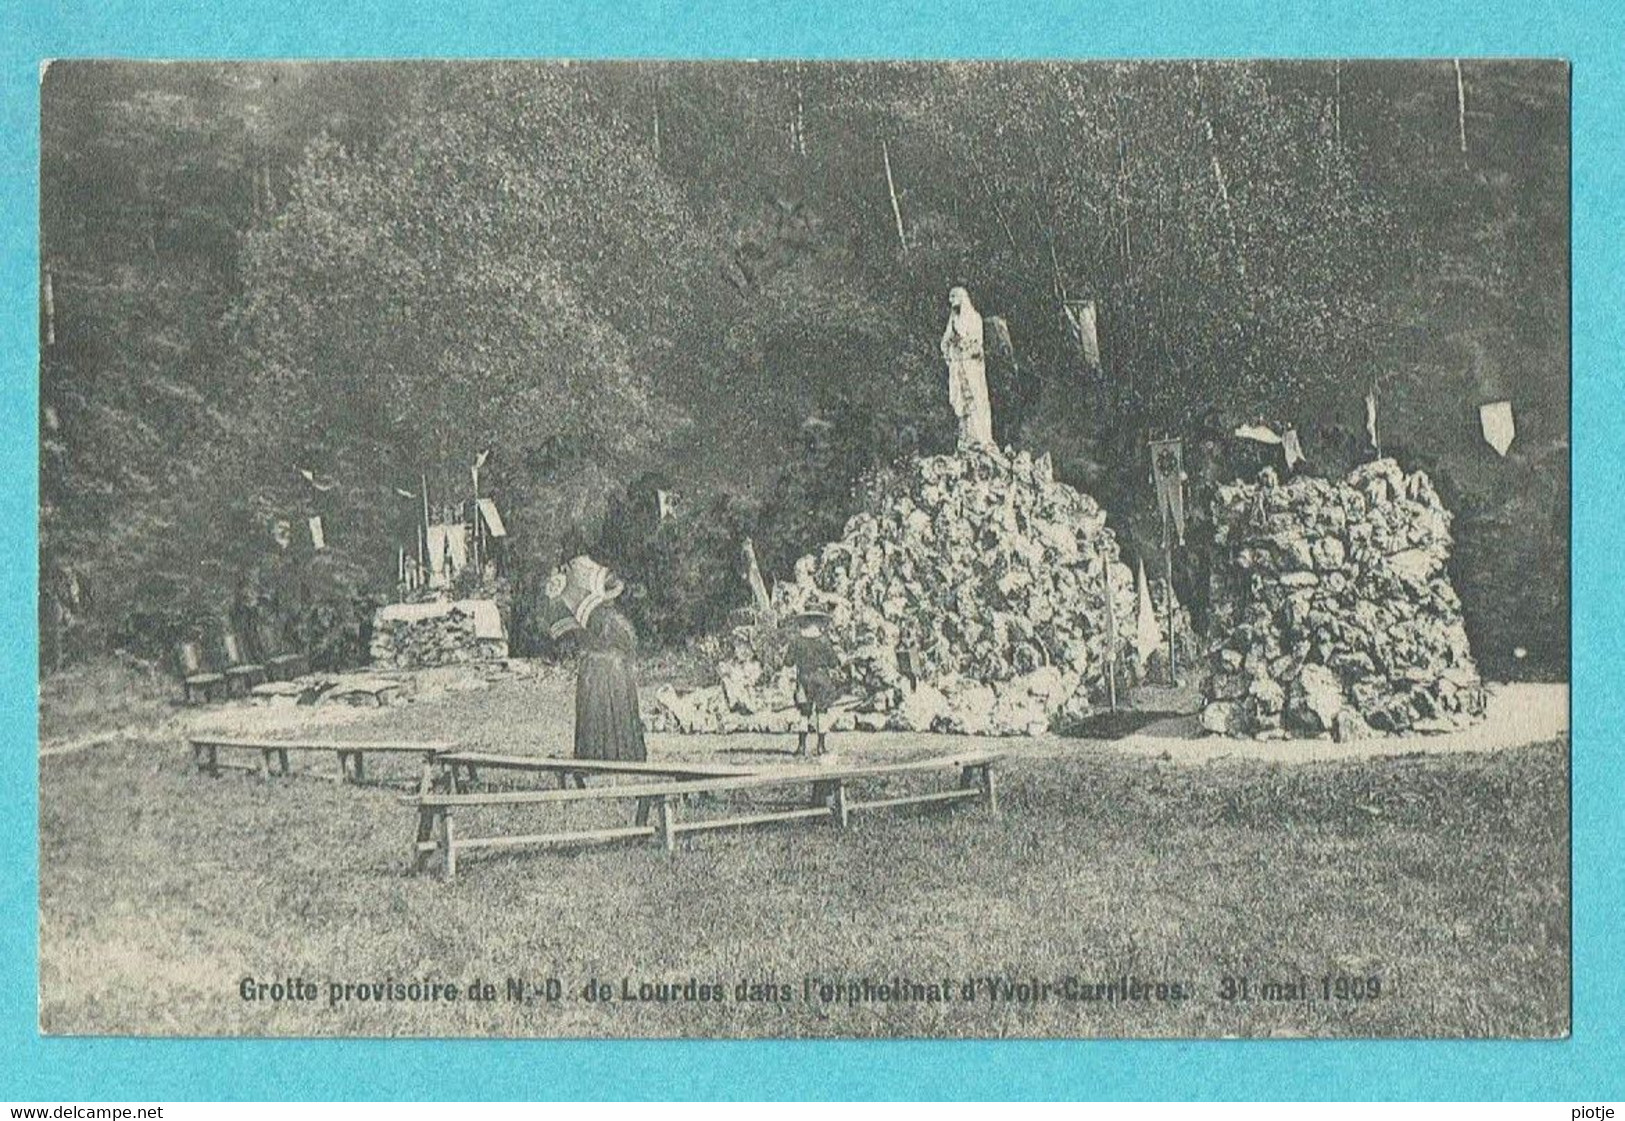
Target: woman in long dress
[{"x": 608, "y": 724}]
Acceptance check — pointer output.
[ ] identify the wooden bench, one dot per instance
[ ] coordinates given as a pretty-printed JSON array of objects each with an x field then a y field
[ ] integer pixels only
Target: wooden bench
[
  {"x": 461, "y": 768},
  {"x": 657, "y": 817},
  {"x": 274, "y": 755}
]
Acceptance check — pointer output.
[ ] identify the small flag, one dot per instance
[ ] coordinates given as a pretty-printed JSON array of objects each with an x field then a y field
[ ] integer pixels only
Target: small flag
[
  {"x": 1371, "y": 421},
  {"x": 311, "y": 479},
  {"x": 1258, "y": 433},
  {"x": 664, "y": 504},
  {"x": 1292, "y": 448},
  {"x": 404, "y": 493},
  {"x": 282, "y": 532},
  {"x": 493, "y": 520},
  {"x": 1168, "y": 471},
  {"x": 479, "y": 460},
  {"x": 318, "y": 539},
  {"x": 1080, "y": 316},
  {"x": 1499, "y": 428},
  {"x": 1147, "y": 633}
]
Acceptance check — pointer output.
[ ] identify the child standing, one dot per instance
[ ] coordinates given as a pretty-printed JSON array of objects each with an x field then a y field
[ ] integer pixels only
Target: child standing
[{"x": 817, "y": 666}]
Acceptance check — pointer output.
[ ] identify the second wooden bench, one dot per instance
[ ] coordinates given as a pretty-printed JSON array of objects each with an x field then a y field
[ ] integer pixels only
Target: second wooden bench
[{"x": 657, "y": 816}]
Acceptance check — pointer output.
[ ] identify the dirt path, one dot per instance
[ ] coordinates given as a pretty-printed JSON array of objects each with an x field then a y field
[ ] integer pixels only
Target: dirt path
[
  {"x": 1518, "y": 714},
  {"x": 532, "y": 716}
]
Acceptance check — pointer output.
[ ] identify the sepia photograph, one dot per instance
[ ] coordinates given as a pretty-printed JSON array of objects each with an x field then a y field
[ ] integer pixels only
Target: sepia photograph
[{"x": 804, "y": 549}]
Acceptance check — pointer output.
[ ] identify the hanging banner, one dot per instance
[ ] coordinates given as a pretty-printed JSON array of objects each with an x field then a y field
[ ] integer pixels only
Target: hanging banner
[
  {"x": 998, "y": 333},
  {"x": 1499, "y": 428},
  {"x": 492, "y": 519},
  {"x": 1292, "y": 448},
  {"x": 448, "y": 552},
  {"x": 1168, "y": 472},
  {"x": 1080, "y": 316},
  {"x": 1258, "y": 433},
  {"x": 1371, "y": 421},
  {"x": 318, "y": 538},
  {"x": 1147, "y": 634}
]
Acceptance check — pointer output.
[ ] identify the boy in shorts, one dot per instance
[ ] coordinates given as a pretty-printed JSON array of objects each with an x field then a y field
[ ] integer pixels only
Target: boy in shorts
[{"x": 817, "y": 667}]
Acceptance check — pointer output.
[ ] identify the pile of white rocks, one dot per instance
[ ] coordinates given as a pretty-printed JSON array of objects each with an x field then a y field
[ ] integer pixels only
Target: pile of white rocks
[
  {"x": 1332, "y": 610},
  {"x": 438, "y": 633},
  {"x": 971, "y": 596}
]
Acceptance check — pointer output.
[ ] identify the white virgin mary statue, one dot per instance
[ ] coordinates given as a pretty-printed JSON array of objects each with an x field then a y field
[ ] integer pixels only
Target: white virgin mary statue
[{"x": 967, "y": 371}]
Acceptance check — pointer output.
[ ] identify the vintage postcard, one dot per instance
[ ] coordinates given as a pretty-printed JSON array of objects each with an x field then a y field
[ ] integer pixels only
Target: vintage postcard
[{"x": 804, "y": 549}]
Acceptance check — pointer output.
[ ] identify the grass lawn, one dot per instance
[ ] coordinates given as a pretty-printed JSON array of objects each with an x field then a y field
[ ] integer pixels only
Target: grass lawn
[{"x": 1444, "y": 878}]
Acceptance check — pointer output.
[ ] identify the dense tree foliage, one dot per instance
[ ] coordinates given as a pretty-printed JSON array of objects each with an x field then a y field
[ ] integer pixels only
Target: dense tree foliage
[{"x": 726, "y": 283}]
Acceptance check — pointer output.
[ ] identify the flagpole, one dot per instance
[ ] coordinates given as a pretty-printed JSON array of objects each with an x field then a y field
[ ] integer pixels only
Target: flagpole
[
  {"x": 1168, "y": 595},
  {"x": 475, "y": 472},
  {"x": 1376, "y": 433},
  {"x": 425, "y": 553},
  {"x": 1376, "y": 438},
  {"x": 1111, "y": 630}
]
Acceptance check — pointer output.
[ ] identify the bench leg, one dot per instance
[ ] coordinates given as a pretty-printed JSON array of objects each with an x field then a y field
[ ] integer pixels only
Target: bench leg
[
  {"x": 199, "y": 754},
  {"x": 214, "y": 761},
  {"x": 642, "y": 817},
  {"x": 990, "y": 792},
  {"x": 358, "y": 765},
  {"x": 265, "y": 763},
  {"x": 837, "y": 806},
  {"x": 282, "y": 758},
  {"x": 668, "y": 821},
  {"x": 448, "y": 839},
  {"x": 426, "y": 831}
]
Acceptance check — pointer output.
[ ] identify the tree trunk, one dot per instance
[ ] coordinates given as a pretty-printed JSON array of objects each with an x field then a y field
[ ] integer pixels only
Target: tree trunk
[
  {"x": 48, "y": 299},
  {"x": 891, "y": 189},
  {"x": 1461, "y": 107},
  {"x": 1337, "y": 104},
  {"x": 799, "y": 129}
]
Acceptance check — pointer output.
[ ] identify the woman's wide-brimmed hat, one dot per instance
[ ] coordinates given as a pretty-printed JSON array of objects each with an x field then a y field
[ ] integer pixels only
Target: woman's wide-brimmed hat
[{"x": 581, "y": 584}]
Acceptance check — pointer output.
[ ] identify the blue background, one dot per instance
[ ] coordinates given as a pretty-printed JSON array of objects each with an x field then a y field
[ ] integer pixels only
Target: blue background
[{"x": 1590, "y": 33}]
